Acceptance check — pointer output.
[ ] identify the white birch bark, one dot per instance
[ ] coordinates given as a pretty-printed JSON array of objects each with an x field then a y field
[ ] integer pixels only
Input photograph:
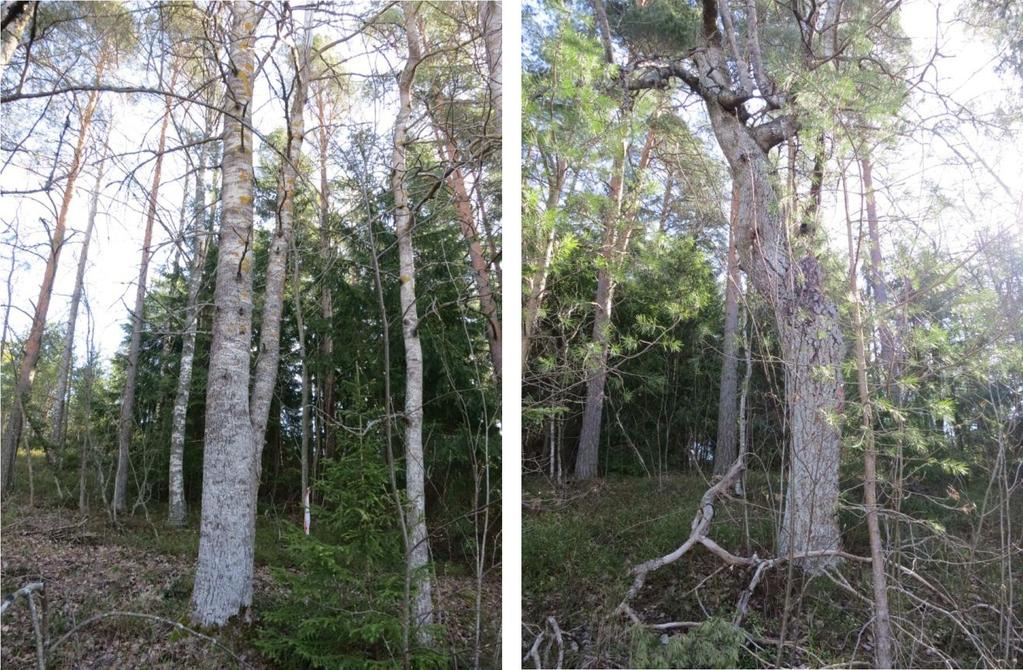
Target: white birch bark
[
  {"x": 223, "y": 574},
  {"x": 176, "y": 508},
  {"x": 418, "y": 551},
  {"x": 14, "y": 28}
]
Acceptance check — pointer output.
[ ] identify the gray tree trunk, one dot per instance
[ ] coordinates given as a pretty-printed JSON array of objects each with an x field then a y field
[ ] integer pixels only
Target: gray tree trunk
[
  {"x": 223, "y": 574},
  {"x": 726, "y": 449},
  {"x": 176, "y": 507},
  {"x": 268, "y": 360},
  {"x": 418, "y": 551},
  {"x": 126, "y": 422},
  {"x": 807, "y": 323},
  {"x": 33, "y": 346},
  {"x": 64, "y": 367}
]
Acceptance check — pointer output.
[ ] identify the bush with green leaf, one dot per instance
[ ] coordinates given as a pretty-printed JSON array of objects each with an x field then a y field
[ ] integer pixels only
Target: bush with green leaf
[{"x": 344, "y": 593}]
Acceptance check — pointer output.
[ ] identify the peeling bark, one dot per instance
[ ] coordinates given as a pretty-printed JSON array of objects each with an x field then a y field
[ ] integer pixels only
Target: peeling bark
[{"x": 17, "y": 16}]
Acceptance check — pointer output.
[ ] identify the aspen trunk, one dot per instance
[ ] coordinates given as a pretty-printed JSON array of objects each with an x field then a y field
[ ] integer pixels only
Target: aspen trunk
[
  {"x": 807, "y": 323},
  {"x": 33, "y": 346},
  {"x": 480, "y": 267},
  {"x": 418, "y": 549},
  {"x": 64, "y": 367},
  {"x": 126, "y": 422},
  {"x": 726, "y": 449},
  {"x": 176, "y": 508},
  {"x": 223, "y": 573}
]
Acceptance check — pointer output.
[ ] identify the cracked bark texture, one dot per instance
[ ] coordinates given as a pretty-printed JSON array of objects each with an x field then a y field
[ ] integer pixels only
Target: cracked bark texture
[
  {"x": 33, "y": 345},
  {"x": 418, "y": 549},
  {"x": 223, "y": 573},
  {"x": 811, "y": 342},
  {"x": 725, "y": 450}
]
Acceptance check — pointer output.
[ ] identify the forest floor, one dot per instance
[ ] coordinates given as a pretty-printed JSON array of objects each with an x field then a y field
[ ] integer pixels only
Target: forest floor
[
  {"x": 580, "y": 541},
  {"x": 91, "y": 567}
]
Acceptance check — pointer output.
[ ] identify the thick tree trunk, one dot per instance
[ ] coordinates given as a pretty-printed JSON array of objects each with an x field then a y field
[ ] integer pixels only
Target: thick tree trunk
[
  {"x": 490, "y": 25},
  {"x": 33, "y": 346},
  {"x": 16, "y": 18},
  {"x": 176, "y": 507},
  {"x": 64, "y": 367},
  {"x": 807, "y": 323},
  {"x": 726, "y": 448},
  {"x": 480, "y": 267},
  {"x": 223, "y": 574},
  {"x": 418, "y": 549},
  {"x": 126, "y": 422}
]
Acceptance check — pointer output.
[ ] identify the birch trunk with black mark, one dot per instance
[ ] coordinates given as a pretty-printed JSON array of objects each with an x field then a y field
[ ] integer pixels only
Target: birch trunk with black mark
[
  {"x": 176, "y": 507},
  {"x": 418, "y": 548},
  {"x": 726, "y": 448},
  {"x": 126, "y": 422},
  {"x": 33, "y": 345},
  {"x": 17, "y": 16},
  {"x": 67, "y": 353},
  {"x": 223, "y": 572}
]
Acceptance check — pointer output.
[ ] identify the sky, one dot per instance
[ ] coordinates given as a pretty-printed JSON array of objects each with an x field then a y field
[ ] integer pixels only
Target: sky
[
  {"x": 115, "y": 250},
  {"x": 966, "y": 72}
]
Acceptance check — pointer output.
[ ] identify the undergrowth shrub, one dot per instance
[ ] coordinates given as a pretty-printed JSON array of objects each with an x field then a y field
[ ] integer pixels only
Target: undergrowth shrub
[
  {"x": 343, "y": 606},
  {"x": 715, "y": 643}
]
